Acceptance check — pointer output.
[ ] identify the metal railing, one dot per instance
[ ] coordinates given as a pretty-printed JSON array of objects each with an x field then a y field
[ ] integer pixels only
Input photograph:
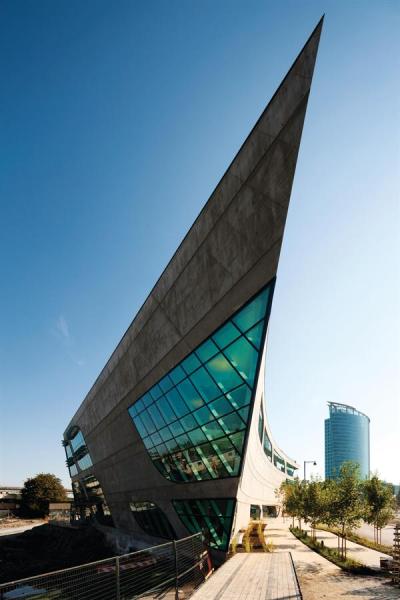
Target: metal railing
[{"x": 170, "y": 571}]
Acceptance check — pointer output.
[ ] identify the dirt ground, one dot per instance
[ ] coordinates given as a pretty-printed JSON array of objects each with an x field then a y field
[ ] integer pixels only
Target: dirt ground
[{"x": 49, "y": 548}]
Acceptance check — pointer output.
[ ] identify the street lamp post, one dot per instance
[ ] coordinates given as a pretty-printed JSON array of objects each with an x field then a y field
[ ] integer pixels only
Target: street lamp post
[{"x": 306, "y": 462}]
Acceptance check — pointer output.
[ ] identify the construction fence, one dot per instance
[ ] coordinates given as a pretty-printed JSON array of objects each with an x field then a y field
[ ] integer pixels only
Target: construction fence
[{"x": 171, "y": 571}]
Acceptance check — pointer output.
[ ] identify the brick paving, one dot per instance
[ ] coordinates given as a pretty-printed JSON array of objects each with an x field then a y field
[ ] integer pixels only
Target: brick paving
[{"x": 255, "y": 576}]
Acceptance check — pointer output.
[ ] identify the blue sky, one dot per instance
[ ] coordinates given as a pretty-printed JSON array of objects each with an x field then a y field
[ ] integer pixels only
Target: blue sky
[{"x": 117, "y": 120}]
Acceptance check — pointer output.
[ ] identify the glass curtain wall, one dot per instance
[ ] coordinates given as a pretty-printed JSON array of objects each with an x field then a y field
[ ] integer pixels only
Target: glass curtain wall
[
  {"x": 193, "y": 421},
  {"x": 77, "y": 453},
  {"x": 152, "y": 520},
  {"x": 211, "y": 516}
]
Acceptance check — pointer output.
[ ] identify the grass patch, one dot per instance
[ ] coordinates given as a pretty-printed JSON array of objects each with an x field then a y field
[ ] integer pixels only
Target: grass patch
[
  {"x": 352, "y": 537},
  {"x": 349, "y": 565}
]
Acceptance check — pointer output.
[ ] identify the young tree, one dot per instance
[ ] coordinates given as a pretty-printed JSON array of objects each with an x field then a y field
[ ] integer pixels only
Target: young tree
[
  {"x": 347, "y": 505},
  {"x": 316, "y": 503},
  {"x": 293, "y": 496},
  {"x": 38, "y": 492},
  {"x": 380, "y": 502}
]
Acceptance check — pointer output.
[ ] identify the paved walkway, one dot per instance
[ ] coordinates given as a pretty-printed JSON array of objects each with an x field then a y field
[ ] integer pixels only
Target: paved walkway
[
  {"x": 319, "y": 578},
  {"x": 255, "y": 576},
  {"x": 366, "y": 556}
]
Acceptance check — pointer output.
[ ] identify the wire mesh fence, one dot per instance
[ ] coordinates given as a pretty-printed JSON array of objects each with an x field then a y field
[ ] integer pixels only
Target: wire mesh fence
[{"x": 171, "y": 571}]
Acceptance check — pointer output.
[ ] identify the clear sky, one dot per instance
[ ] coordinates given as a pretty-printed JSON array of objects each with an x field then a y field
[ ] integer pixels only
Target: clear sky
[{"x": 117, "y": 120}]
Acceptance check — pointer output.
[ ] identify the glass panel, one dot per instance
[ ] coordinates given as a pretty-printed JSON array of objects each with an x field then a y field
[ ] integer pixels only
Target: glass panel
[
  {"x": 206, "y": 386},
  {"x": 255, "y": 334},
  {"x": 226, "y": 335},
  {"x": 260, "y": 425},
  {"x": 156, "y": 416},
  {"x": 238, "y": 440},
  {"x": 203, "y": 415},
  {"x": 244, "y": 357},
  {"x": 140, "y": 427},
  {"x": 176, "y": 428},
  {"x": 253, "y": 312},
  {"x": 156, "y": 391},
  {"x": 223, "y": 373},
  {"x": 147, "y": 400},
  {"x": 206, "y": 350},
  {"x": 191, "y": 363},
  {"x": 239, "y": 397},
  {"x": 177, "y": 374},
  {"x": 177, "y": 403},
  {"x": 188, "y": 422},
  {"x": 147, "y": 421},
  {"x": 190, "y": 395},
  {"x": 231, "y": 423},
  {"x": 166, "y": 410},
  {"x": 220, "y": 407},
  {"x": 166, "y": 383},
  {"x": 197, "y": 436},
  {"x": 213, "y": 431}
]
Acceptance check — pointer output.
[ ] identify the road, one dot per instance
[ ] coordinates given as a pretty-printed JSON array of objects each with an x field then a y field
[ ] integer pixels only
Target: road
[{"x": 368, "y": 532}]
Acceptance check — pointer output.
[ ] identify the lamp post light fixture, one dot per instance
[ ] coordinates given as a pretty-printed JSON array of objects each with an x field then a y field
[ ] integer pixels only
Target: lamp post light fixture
[{"x": 312, "y": 462}]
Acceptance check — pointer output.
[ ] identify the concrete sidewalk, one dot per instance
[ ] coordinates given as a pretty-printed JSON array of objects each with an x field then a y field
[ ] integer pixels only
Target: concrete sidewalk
[
  {"x": 366, "y": 556},
  {"x": 319, "y": 578}
]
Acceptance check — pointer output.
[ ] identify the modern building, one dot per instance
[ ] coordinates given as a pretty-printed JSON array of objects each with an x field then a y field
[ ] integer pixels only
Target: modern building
[
  {"x": 346, "y": 439},
  {"x": 173, "y": 437}
]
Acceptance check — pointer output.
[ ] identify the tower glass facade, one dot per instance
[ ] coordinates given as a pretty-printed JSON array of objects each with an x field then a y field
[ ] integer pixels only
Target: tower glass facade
[{"x": 346, "y": 439}]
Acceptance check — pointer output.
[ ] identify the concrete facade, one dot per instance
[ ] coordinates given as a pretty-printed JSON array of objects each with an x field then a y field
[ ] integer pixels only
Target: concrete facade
[{"x": 230, "y": 253}]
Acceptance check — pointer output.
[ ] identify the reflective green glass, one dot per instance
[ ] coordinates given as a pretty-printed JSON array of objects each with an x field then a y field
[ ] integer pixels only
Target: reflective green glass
[
  {"x": 253, "y": 312},
  {"x": 140, "y": 427},
  {"x": 177, "y": 374},
  {"x": 213, "y": 519},
  {"x": 206, "y": 350},
  {"x": 231, "y": 423},
  {"x": 203, "y": 415},
  {"x": 191, "y": 363},
  {"x": 156, "y": 416},
  {"x": 166, "y": 410},
  {"x": 177, "y": 403},
  {"x": 188, "y": 422},
  {"x": 139, "y": 406},
  {"x": 223, "y": 373},
  {"x": 165, "y": 434},
  {"x": 206, "y": 386},
  {"x": 244, "y": 413},
  {"x": 156, "y": 391},
  {"x": 147, "y": 400},
  {"x": 238, "y": 440},
  {"x": 156, "y": 439},
  {"x": 200, "y": 409},
  {"x": 239, "y": 397},
  {"x": 190, "y": 394},
  {"x": 176, "y": 428},
  {"x": 213, "y": 430},
  {"x": 255, "y": 334},
  {"x": 244, "y": 357},
  {"x": 183, "y": 441},
  {"x": 226, "y": 334},
  {"x": 166, "y": 383},
  {"x": 220, "y": 407},
  {"x": 197, "y": 436},
  {"x": 212, "y": 461},
  {"x": 147, "y": 421}
]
